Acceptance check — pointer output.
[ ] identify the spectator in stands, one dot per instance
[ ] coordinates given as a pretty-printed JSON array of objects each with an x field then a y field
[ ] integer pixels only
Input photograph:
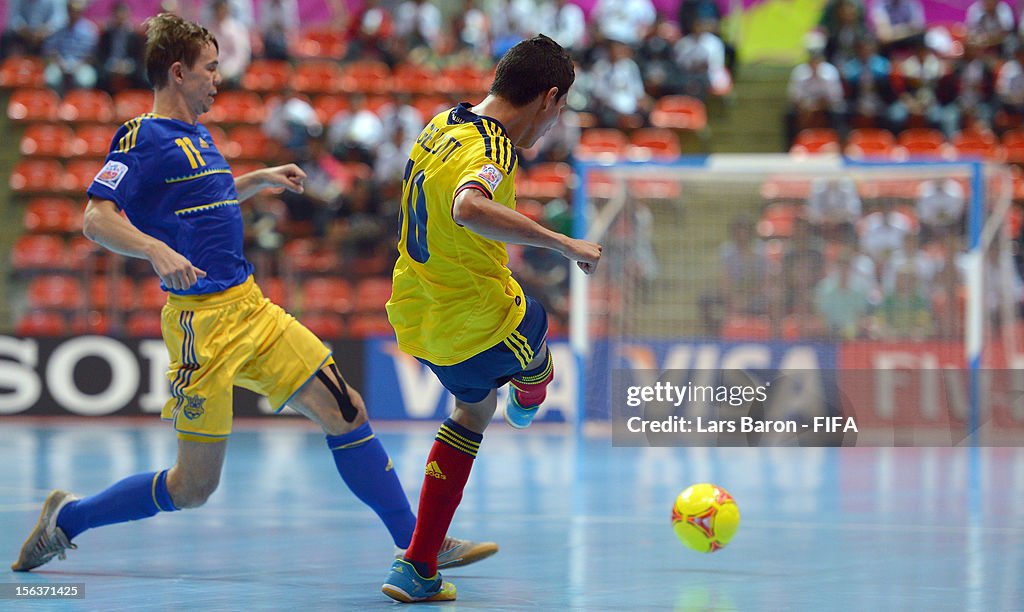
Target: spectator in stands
[
  {"x": 815, "y": 94},
  {"x": 1004, "y": 289},
  {"x": 120, "y": 52},
  {"x": 371, "y": 36},
  {"x": 30, "y": 23},
  {"x": 940, "y": 206},
  {"x": 882, "y": 232},
  {"x": 905, "y": 312},
  {"x": 265, "y": 220},
  {"x": 802, "y": 269},
  {"x": 472, "y": 29},
  {"x": 565, "y": 22},
  {"x": 71, "y": 52},
  {"x": 233, "y": 40},
  {"x": 626, "y": 21},
  {"x": 692, "y": 11},
  {"x": 917, "y": 103},
  {"x": 355, "y": 229},
  {"x": 869, "y": 92},
  {"x": 967, "y": 93},
  {"x": 842, "y": 298},
  {"x": 353, "y": 134},
  {"x": 701, "y": 57},
  {"x": 833, "y": 206},
  {"x": 240, "y": 10},
  {"x": 845, "y": 29},
  {"x": 924, "y": 263},
  {"x": 325, "y": 183},
  {"x": 543, "y": 273},
  {"x": 279, "y": 28},
  {"x": 418, "y": 22},
  {"x": 742, "y": 276},
  {"x": 898, "y": 24},
  {"x": 989, "y": 25},
  {"x": 618, "y": 97},
  {"x": 1010, "y": 93},
  {"x": 656, "y": 58},
  {"x": 290, "y": 121}
]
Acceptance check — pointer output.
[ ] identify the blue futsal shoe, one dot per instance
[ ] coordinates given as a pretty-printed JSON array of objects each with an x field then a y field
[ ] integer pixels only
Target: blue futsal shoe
[
  {"x": 516, "y": 414},
  {"x": 405, "y": 584}
]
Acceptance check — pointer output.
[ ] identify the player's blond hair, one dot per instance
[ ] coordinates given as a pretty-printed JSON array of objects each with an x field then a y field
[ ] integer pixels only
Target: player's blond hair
[{"x": 169, "y": 39}]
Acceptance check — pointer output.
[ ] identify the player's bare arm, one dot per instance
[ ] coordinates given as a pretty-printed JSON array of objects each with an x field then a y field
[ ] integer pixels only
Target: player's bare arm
[
  {"x": 475, "y": 211},
  {"x": 288, "y": 176},
  {"x": 105, "y": 226}
]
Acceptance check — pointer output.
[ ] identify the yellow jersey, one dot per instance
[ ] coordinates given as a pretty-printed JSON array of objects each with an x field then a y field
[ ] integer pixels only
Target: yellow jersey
[{"x": 453, "y": 295}]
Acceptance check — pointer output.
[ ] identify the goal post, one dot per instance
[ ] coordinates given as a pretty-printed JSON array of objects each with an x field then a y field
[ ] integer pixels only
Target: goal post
[{"x": 669, "y": 294}]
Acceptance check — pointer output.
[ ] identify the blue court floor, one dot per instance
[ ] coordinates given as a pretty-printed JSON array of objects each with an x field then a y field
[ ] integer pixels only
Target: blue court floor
[{"x": 582, "y": 525}]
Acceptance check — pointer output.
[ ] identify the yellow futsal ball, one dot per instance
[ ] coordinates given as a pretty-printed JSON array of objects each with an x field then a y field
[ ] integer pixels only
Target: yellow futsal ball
[{"x": 705, "y": 517}]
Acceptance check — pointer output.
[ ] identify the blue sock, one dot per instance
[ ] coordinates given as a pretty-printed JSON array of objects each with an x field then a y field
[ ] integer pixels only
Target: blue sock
[
  {"x": 136, "y": 497},
  {"x": 365, "y": 467}
]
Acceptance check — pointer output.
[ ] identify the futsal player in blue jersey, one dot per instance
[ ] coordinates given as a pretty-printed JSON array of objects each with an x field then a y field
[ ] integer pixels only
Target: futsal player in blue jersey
[{"x": 181, "y": 208}]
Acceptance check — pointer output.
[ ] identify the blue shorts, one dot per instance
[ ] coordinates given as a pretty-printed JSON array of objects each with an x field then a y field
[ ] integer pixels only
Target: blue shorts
[{"x": 472, "y": 380}]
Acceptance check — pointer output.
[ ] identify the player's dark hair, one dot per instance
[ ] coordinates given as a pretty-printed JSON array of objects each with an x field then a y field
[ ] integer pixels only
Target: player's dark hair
[
  {"x": 170, "y": 39},
  {"x": 530, "y": 69}
]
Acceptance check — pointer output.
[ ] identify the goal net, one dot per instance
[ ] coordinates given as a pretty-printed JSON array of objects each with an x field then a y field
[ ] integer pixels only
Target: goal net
[{"x": 895, "y": 284}]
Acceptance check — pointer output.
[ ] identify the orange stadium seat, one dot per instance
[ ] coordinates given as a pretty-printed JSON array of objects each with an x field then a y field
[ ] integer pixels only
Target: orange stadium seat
[
  {"x": 428, "y": 106},
  {"x": 267, "y": 76},
  {"x": 415, "y": 80},
  {"x": 647, "y": 143},
  {"x": 366, "y": 76},
  {"x": 371, "y": 325},
  {"x": 249, "y": 142},
  {"x": 33, "y": 105},
  {"x": 324, "y": 43},
  {"x": 276, "y": 290},
  {"x": 151, "y": 296},
  {"x": 464, "y": 80},
  {"x": 86, "y": 106},
  {"x": 816, "y": 140},
  {"x": 303, "y": 257},
  {"x": 41, "y": 323},
  {"x": 81, "y": 250},
  {"x": 546, "y": 181},
  {"x": 679, "y": 113},
  {"x": 34, "y": 253},
  {"x": 91, "y": 322},
  {"x": 329, "y": 105},
  {"x": 52, "y": 216},
  {"x": 237, "y": 107},
  {"x": 921, "y": 142},
  {"x": 104, "y": 292},
  {"x": 600, "y": 142},
  {"x": 55, "y": 292},
  {"x": 777, "y": 220},
  {"x": 47, "y": 140},
  {"x": 22, "y": 72},
  {"x": 316, "y": 77},
  {"x": 971, "y": 143},
  {"x": 92, "y": 140},
  {"x": 37, "y": 176},
  {"x": 372, "y": 294},
  {"x": 746, "y": 328},
  {"x": 144, "y": 324},
  {"x": 131, "y": 103},
  {"x": 869, "y": 143},
  {"x": 326, "y": 294},
  {"x": 79, "y": 173},
  {"x": 326, "y": 325}
]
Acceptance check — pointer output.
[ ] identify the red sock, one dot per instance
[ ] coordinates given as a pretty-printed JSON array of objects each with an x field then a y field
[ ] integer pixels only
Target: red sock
[
  {"x": 532, "y": 385},
  {"x": 448, "y": 466}
]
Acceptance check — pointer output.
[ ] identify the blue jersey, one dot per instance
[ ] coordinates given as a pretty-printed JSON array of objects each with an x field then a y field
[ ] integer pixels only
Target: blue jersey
[{"x": 173, "y": 184}]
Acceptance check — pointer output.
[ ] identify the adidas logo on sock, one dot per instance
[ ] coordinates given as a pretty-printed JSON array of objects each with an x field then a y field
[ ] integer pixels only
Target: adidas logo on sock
[{"x": 433, "y": 469}]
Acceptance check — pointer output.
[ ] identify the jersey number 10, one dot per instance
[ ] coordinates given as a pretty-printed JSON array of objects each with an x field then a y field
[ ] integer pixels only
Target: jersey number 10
[{"x": 416, "y": 216}]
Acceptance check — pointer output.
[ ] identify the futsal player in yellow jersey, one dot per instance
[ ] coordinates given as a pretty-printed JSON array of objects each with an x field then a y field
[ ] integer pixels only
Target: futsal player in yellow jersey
[
  {"x": 454, "y": 304},
  {"x": 182, "y": 214}
]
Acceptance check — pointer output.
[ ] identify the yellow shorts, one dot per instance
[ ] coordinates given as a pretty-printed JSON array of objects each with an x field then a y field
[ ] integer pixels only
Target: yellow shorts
[{"x": 234, "y": 337}]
